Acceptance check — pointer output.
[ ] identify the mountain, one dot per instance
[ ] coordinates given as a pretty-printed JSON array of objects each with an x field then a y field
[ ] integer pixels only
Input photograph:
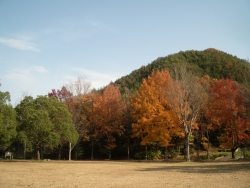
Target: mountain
[{"x": 215, "y": 63}]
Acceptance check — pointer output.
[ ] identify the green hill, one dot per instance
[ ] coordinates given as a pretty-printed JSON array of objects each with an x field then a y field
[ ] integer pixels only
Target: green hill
[{"x": 212, "y": 62}]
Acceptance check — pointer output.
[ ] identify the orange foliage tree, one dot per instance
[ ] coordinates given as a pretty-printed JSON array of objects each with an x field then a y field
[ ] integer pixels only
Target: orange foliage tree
[
  {"x": 153, "y": 120},
  {"x": 106, "y": 118},
  {"x": 227, "y": 111}
]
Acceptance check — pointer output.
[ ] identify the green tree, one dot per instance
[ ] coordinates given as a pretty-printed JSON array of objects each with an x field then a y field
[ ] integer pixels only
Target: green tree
[
  {"x": 7, "y": 121},
  {"x": 36, "y": 128},
  {"x": 61, "y": 120}
]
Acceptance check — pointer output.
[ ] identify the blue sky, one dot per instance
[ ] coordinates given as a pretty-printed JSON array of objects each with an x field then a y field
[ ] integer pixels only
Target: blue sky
[{"x": 45, "y": 44}]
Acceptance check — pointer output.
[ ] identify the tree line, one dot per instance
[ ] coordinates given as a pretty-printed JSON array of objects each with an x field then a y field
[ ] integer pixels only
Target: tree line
[{"x": 168, "y": 111}]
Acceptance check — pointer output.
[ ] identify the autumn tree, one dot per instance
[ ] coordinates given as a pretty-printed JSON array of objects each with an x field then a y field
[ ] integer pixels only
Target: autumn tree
[
  {"x": 79, "y": 88},
  {"x": 154, "y": 121},
  {"x": 73, "y": 94},
  {"x": 106, "y": 118},
  {"x": 186, "y": 96},
  {"x": 127, "y": 119},
  {"x": 66, "y": 96},
  {"x": 204, "y": 126},
  {"x": 227, "y": 110}
]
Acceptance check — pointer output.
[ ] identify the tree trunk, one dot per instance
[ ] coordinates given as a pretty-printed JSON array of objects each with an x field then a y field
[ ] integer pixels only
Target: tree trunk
[
  {"x": 38, "y": 155},
  {"x": 208, "y": 157},
  {"x": 233, "y": 152},
  {"x": 109, "y": 154},
  {"x": 146, "y": 151},
  {"x": 24, "y": 150},
  {"x": 166, "y": 154},
  {"x": 70, "y": 151},
  {"x": 128, "y": 148},
  {"x": 187, "y": 156},
  {"x": 41, "y": 155},
  {"x": 244, "y": 153},
  {"x": 198, "y": 154},
  {"x": 92, "y": 148},
  {"x": 60, "y": 152}
]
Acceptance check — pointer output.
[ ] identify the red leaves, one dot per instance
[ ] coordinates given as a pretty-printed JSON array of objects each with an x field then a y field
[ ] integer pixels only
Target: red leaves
[
  {"x": 107, "y": 115},
  {"x": 61, "y": 95},
  {"x": 226, "y": 110}
]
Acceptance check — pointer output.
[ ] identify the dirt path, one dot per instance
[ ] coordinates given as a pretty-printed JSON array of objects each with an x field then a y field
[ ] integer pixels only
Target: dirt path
[{"x": 112, "y": 174}]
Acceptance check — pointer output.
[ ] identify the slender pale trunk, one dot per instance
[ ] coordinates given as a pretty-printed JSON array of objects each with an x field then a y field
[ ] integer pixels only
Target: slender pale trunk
[
  {"x": 187, "y": 156},
  {"x": 199, "y": 136},
  {"x": 38, "y": 155},
  {"x": 146, "y": 151},
  {"x": 70, "y": 151}
]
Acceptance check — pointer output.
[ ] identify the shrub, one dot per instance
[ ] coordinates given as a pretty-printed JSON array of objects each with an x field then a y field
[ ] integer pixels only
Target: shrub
[
  {"x": 151, "y": 155},
  {"x": 154, "y": 154},
  {"x": 214, "y": 156},
  {"x": 173, "y": 153}
]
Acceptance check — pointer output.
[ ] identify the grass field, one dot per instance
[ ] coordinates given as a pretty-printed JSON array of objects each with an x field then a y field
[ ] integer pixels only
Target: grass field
[{"x": 122, "y": 174}]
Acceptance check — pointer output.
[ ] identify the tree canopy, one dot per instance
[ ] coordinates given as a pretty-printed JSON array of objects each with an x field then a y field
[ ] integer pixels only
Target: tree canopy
[
  {"x": 154, "y": 121},
  {"x": 7, "y": 121}
]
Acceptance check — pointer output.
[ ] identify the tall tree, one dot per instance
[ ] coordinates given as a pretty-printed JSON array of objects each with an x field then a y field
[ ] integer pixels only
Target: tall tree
[
  {"x": 186, "y": 97},
  {"x": 7, "y": 121},
  {"x": 227, "y": 110},
  {"x": 154, "y": 121},
  {"x": 61, "y": 119},
  {"x": 74, "y": 95},
  {"x": 35, "y": 125},
  {"x": 127, "y": 119},
  {"x": 44, "y": 123},
  {"x": 79, "y": 89},
  {"x": 106, "y": 119},
  {"x": 80, "y": 86},
  {"x": 202, "y": 133}
]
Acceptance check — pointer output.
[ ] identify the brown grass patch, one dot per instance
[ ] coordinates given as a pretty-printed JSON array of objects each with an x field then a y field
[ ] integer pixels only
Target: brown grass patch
[{"x": 120, "y": 174}]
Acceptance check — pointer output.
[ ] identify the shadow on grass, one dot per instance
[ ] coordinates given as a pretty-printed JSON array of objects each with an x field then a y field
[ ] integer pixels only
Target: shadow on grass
[{"x": 200, "y": 167}]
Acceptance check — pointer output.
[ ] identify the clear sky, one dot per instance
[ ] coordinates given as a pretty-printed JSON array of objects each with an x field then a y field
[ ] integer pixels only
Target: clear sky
[{"x": 45, "y": 44}]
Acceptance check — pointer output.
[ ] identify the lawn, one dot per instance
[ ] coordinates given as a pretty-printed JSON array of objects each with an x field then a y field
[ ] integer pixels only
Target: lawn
[{"x": 122, "y": 174}]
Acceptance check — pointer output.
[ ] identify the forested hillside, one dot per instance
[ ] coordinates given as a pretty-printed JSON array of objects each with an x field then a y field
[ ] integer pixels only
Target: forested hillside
[
  {"x": 185, "y": 103},
  {"x": 212, "y": 62}
]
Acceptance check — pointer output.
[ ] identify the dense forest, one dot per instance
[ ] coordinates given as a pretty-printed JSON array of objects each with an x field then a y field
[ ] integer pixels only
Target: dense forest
[
  {"x": 185, "y": 103},
  {"x": 212, "y": 62}
]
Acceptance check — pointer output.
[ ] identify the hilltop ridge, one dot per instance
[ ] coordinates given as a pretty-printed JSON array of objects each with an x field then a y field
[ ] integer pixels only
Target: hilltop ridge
[{"x": 215, "y": 63}]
